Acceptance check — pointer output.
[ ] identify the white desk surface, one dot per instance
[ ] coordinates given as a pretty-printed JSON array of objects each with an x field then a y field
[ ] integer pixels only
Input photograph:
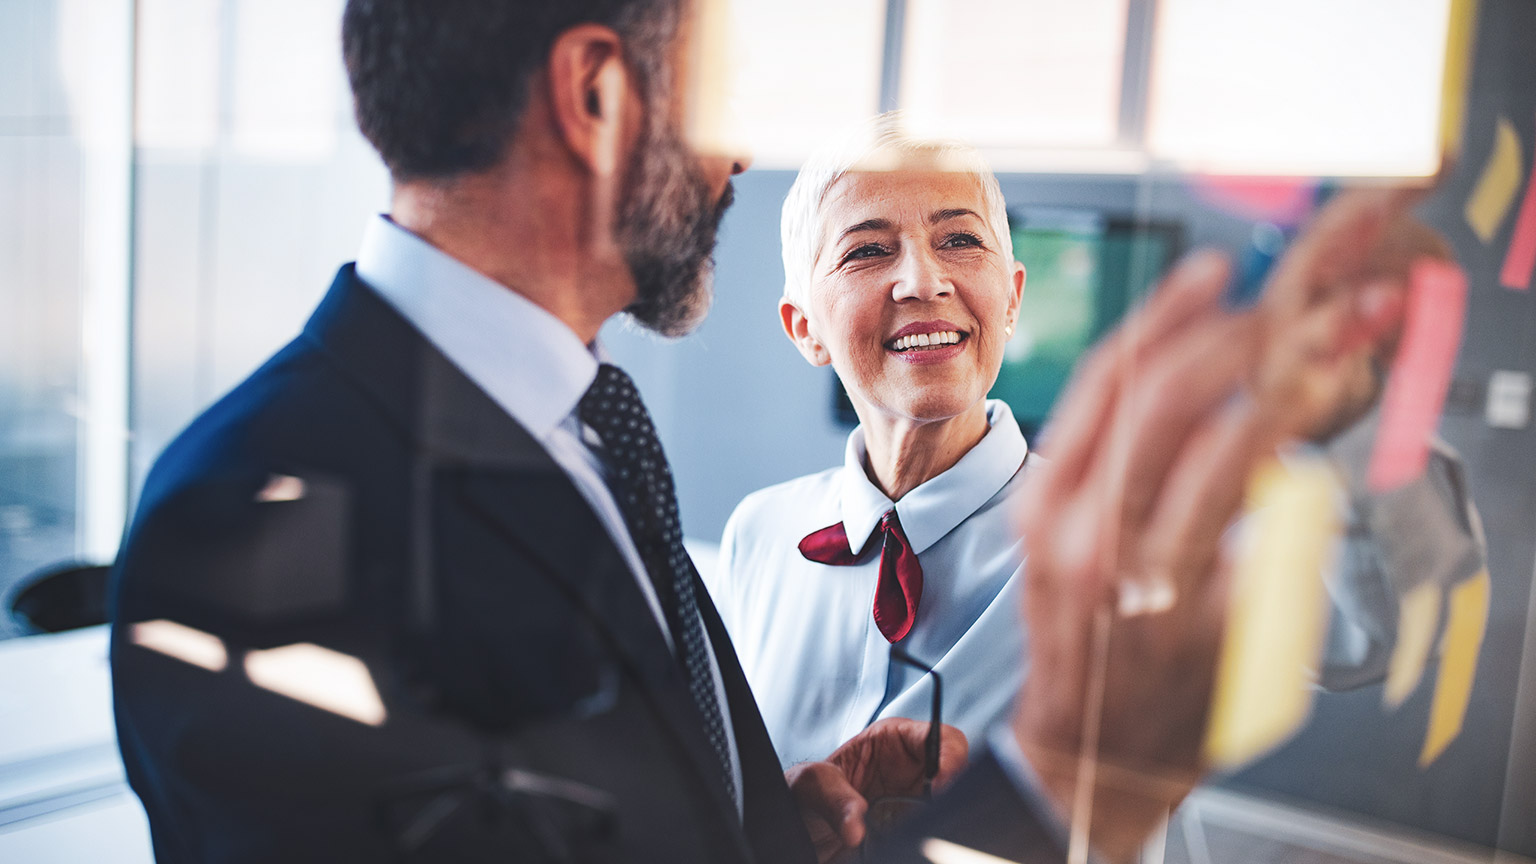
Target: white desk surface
[{"x": 62, "y": 793}]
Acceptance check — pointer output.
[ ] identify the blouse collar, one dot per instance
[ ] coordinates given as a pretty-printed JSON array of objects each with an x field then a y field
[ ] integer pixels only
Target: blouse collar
[{"x": 936, "y": 507}]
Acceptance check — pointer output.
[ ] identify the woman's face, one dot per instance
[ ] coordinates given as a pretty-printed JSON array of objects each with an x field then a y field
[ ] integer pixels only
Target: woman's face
[{"x": 911, "y": 296}]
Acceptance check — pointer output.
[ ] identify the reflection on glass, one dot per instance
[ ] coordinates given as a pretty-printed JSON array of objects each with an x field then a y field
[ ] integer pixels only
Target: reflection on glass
[
  {"x": 805, "y": 68},
  {"x": 1015, "y": 73},
  {"x": 185, "y": 643},
  {"x": 321, "y": 677},
  {"x": 1311, "y": 87}
]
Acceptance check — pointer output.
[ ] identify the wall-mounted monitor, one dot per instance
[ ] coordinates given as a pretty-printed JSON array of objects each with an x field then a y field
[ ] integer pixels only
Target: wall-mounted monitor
[{"x": 1083, "y": 269}]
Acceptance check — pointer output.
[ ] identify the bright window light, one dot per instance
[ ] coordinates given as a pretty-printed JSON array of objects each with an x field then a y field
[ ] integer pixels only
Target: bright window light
[
  {"x": 1015, "y": 73},
  {"x": 805, "y": 69},
  {"x": 96, "y": 54},
  {"x": 1306, "y": 87},
  {"x": 178, "y": 68},
  {"x": 288, "y": 80}
]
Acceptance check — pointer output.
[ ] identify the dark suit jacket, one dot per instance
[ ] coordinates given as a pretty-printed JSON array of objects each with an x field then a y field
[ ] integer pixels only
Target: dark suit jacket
[{"x": 534, "y": 711}]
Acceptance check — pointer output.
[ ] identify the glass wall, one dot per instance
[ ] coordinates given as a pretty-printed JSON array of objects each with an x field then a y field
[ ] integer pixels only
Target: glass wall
[{"x": 180, "y": 179}]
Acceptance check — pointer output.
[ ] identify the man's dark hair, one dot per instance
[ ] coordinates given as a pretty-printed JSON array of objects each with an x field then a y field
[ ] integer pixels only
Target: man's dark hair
[{"x": 440, "y": 86}]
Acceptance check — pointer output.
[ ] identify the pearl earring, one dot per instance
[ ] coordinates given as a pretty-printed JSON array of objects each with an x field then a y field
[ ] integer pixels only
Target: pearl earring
[{"x": 1008, "y": 330}]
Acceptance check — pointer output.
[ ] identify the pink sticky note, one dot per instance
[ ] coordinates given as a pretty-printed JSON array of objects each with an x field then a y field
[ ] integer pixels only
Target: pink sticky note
[
  {"x": 1421, "y": 373},
  {"x": 1521, "y": 259}
]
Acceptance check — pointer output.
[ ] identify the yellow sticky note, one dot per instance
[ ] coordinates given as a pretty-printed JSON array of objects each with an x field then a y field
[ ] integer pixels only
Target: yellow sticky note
[
  {"x": 1275, "y": 626},
  {"x": 1496, "y": 188},
  {"x": 1458, "y": 71},
  {"x": 1458, "y": 664},
  {"x": 1418, "y": 613}
]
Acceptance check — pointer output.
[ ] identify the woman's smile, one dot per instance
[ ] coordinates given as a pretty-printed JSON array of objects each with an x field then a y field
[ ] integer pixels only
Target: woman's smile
[{"x": 928, "y": 342}]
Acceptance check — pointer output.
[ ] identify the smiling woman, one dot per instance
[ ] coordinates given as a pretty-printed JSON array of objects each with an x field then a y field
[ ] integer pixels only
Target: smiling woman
[
  {"x": 913, "y": 295},
  {"x": 900, "y": 275}
]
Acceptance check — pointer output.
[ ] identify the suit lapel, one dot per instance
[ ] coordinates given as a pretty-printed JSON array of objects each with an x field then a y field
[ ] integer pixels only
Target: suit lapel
[
  {"x": 543, "y": 515},
  {"x": 470, "y": 447},
  {"x": 770, "y": 812}
]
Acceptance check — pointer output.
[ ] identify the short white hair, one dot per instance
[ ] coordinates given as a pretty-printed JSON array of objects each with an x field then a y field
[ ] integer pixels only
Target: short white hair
[{"x": 878, "y": 144}]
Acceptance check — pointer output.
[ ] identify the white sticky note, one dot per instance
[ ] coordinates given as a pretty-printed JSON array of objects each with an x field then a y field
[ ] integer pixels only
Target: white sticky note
[{"x": 1509, "y": 400}]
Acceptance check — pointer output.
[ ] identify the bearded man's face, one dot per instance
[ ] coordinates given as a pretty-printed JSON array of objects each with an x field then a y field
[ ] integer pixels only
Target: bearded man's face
[{"x": 667, "y": 224}]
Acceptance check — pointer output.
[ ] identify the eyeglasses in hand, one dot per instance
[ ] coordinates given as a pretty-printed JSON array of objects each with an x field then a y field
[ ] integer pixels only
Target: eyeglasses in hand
[{"x": 886, "y": 812}]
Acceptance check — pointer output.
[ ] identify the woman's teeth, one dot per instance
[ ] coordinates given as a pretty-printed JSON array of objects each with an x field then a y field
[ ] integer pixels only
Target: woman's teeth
[{"x": 926, "y": 340}]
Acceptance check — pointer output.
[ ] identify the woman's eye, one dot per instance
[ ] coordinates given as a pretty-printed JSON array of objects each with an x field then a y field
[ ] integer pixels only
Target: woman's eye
[
  {"x": 868, "y": 250},
  {"x": 961, "y": 240}
]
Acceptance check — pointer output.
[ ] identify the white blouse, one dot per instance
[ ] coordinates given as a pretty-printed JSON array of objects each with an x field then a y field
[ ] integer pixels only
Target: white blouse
[
  {"x": 805, "y": 631},
  {"x": 821, "y": 670}
]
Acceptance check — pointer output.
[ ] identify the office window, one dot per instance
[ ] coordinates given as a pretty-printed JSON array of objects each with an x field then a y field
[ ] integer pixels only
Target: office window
[
  {"x": 253, "y": 186},
  {"x": 64, "y": 166}
]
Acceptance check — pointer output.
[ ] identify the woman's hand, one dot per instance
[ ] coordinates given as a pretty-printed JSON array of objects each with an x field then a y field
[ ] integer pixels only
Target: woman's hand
[{"x": 884, "y": 760}]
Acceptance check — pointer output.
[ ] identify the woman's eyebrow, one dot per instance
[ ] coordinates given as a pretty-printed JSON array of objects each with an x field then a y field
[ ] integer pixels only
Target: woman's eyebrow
[
  {"x": 938, "y": 216},
  {"x": 867, "y": 225}
]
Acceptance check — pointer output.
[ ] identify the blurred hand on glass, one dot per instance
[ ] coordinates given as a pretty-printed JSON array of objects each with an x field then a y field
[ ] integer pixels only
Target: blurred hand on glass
[
  {"x": 1333, "y": 310},
  {"x": 1152, "y": 447}
]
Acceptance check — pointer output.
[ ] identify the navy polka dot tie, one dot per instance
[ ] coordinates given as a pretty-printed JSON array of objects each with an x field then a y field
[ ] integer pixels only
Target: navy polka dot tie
[{"x": 642, "y": 482}]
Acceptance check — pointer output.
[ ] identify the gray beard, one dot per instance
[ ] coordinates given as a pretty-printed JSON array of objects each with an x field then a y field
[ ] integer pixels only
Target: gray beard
[{"x": 666, "y": 227}]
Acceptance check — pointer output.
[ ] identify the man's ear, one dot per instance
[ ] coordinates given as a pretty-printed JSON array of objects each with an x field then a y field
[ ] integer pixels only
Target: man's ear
[
  {"x": 798, "y": 328},
  {"x": 589, "y": 92}
]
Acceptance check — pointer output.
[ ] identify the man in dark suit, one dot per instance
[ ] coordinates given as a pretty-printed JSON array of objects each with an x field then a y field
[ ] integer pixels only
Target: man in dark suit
[{"x": 415, "y": 589}]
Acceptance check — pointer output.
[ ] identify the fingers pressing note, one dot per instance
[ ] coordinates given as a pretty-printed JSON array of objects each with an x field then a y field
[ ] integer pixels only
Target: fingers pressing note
[{"x": 1191, "y": 291}]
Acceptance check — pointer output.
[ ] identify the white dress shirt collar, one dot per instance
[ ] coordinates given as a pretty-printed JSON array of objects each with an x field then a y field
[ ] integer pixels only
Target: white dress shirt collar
[
  {"x": 934, "y": 508},
  {"x": 484, "y": 328}
]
